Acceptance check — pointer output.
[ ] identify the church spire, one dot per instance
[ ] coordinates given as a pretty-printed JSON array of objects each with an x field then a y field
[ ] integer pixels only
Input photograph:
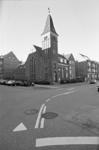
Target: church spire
[{"x": 49, "y": 26}]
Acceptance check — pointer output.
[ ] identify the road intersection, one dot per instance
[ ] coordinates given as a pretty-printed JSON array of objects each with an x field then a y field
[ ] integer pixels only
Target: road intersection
[{"x": 50, "y": 122}]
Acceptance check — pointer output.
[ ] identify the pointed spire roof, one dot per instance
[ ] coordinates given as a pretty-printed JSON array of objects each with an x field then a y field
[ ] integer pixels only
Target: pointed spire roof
[{"x": 49, "y": 26}]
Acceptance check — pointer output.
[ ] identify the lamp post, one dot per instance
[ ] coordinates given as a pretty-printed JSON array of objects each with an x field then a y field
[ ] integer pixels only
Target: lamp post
[{"x": 84, "y": 56}]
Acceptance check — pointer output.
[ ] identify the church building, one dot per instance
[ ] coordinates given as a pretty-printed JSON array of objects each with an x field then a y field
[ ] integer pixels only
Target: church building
[{"x": 45, "y": 64}]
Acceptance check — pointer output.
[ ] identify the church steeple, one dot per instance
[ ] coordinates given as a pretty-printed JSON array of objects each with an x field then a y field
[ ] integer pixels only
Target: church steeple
[
  {"x": 50, "y": 36},
  {"x": 49, "y": 26}
]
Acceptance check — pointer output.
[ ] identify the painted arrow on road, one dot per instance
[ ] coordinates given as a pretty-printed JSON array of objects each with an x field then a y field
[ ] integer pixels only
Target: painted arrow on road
[{"x": 20, "y": 127}]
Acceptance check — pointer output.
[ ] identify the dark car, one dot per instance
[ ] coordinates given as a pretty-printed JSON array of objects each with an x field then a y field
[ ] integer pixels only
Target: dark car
[
  {"x": 32, "y": 84},
  {"x": 28, "y": 83},
  {"x": 98, "y": 86},
  {"x": 3, "y": 82},
  {"x": 19, "y": 83}
]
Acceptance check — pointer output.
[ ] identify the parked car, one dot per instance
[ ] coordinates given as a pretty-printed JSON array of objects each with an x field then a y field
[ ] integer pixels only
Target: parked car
[
  {"x": 93, "y": 81},
  {"x": 32, "y": 84},
  {"x": 19, "y": 83},
  {"x": 3, "y": 82},
  {"x": 10, "y": 83},
  {"x": 26, "y": 83},
  {"x": 98, "y": 86}
]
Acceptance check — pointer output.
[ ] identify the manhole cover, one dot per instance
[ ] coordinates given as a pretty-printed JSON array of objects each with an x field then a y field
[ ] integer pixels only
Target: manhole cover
[
  {"x": 49, "y": 115},
  {"x": 31, "y": 111}
]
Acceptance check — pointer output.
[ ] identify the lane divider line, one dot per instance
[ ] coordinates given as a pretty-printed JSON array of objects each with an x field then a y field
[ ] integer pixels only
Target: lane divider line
[
  {"x": 43, "y": 109},
  {"x": 48, "y": 100},
  {"x": 51, "y": 141},
  {"x": 65, "y": 93},
  {"x": 43, "y": 119},
  {"x": 61, "y": 89},
  {"x": 39, "y": 116},
  {"x": 71, "y": 89}
]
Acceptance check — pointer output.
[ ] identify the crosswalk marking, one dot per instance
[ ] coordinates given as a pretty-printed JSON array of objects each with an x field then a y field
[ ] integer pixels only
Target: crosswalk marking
[{"x": 51, "y": 141}]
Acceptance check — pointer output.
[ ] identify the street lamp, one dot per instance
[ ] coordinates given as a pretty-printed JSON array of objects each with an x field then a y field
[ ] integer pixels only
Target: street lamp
[{"x": 84, "y": 56}]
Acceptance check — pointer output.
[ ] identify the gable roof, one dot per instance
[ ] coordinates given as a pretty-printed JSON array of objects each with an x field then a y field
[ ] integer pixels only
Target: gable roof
[
  {"x": 62, "y": 56},
  {"x": 37, "y": 48},
  {"x": 11, "y": 55},
  {"x": 38, "y": 51},
  {"x": 68, "y": 56},
  {"x": 49, "y": 26}
]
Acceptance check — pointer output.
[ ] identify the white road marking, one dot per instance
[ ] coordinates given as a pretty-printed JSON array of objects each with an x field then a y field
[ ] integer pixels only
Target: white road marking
[
  {"x": 71, "y": 88},
  {"x": 43, "y": 109},
  {"x": 65, "y": 89},
  {"x": 65, "y": 93},
  {"x": 39, "y": 116},
  {"x": 41, "y": 142},
  {"x": 42, "y": 120},
  {"x": 47, "y": 100},
  {"x": 20, "y": 127},
  {"x": 60, "y": 89},
  {"x": 42, "y": 86}
]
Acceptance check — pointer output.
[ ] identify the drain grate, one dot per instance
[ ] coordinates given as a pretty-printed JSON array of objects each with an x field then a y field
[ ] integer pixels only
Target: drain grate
[
  {"x": 31, "y": 111},
  {"x": 49, "y": 115}
]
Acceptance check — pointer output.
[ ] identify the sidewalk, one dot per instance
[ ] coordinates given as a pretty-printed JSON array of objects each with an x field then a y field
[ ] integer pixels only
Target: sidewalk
[
  {"x": 46, "y": 86},
  {"x": 58, "y": 85}
]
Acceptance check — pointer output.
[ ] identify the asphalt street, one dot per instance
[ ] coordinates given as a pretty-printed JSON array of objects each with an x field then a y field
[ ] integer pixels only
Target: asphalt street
[{"x": 49, "y": 117}]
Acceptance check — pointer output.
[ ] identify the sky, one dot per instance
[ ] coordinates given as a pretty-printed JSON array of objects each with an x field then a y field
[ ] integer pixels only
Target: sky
[{"x": 76, "y": 22}]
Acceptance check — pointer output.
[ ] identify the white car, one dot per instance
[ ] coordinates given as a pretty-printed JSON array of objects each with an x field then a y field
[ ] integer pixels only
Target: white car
[
  {"x": 11, "y": 82},
  {"x": 93, "y": 81}
]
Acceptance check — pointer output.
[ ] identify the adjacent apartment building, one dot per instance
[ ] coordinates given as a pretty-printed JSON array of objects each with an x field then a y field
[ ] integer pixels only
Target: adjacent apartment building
[
  {"x": 88, "y": 70},
  {"x": 8, "y": 63}
]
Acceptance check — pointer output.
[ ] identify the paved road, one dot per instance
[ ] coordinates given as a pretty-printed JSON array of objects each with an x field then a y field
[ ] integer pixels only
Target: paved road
[{"x": 32, "y": 116}]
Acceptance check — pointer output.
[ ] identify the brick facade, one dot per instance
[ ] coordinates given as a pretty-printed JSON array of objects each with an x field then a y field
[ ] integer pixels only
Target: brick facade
[
  {"x": 10, "y": 63},
  {"x": 71, "y": 65},
  {"x": 45, "y": 64},
  {"x": 88, "y": 70}
]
